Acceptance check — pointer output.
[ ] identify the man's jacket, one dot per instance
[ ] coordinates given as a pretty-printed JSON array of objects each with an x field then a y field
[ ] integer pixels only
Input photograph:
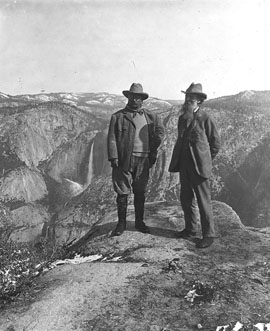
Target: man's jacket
[
  {"x": 203, "y": 142},
  {"x": 122, "y": 132}
]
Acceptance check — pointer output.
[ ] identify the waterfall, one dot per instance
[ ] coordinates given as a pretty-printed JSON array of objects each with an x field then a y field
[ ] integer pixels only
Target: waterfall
[
  {"x": 90, "y": 166},
  {"x": 74, "y": 188}
]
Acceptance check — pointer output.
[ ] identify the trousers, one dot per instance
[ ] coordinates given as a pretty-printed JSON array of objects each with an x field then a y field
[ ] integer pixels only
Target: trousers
[
  {"x": 193, "y": 185},
  {"x": 135, "y": 179}
]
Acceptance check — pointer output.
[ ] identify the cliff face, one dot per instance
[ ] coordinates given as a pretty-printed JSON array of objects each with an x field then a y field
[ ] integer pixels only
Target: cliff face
[
  {"x": 242, "y": 167},
  {"x": 55, "y": 176},
  {"x": 247, "y": 189},
  {"x": 44, "y": 147},
  {"x": 164, "y": 185}
]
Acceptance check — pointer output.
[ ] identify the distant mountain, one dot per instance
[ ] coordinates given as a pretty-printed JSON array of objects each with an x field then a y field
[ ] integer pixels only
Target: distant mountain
[
  {"x": 101, "y": 104},
  {"x": 54, "y": 173},
  {"x": 244, "y": 101}
]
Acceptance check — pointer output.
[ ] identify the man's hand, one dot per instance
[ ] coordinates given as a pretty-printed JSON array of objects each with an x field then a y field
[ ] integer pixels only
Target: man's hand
[
  {"x": 114, "y": 163},
  {"x": 152, "y": 160}
]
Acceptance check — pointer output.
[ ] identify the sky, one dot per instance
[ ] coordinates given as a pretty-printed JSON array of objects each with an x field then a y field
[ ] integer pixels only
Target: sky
[{"x": 106, "y": 45}]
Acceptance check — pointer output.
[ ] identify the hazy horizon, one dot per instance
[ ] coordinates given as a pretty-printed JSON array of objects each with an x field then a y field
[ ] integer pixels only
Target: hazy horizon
[{"x": 180, "y": 99}]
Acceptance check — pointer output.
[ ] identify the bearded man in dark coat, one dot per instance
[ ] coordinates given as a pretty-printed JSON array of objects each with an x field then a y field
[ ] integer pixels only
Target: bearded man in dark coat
[
  {"x": 197, "y": 144},
  {"x": 134, "y": 136}
]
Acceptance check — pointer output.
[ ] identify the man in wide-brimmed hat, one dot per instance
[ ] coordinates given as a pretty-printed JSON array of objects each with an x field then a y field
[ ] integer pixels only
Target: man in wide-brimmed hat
[
  {"x": 134, "y": 136},
  {"x": 197, "y": 144}
]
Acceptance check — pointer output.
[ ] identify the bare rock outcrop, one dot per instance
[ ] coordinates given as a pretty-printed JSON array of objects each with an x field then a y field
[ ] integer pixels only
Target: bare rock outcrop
[
  {"x": 23, "y": 184},
  {"x": 154, "y": 281}
]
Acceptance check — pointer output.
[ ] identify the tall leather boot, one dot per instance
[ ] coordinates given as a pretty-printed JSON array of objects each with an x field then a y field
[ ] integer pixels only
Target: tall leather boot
[
  {"x": 139, "y": 200},
  {"x": 122, "y": 214}
]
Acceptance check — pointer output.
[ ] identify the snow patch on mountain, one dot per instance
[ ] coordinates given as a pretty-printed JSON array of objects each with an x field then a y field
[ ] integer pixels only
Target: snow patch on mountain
[
  {"x": 109, "y": 102},
  {"x": 43, "y": 97},
  {"x": 92, "y": 102},
  {"x": 70, "y": 96},
  {"x": 4, "y": 96},
  {"x": 37, "y": 97},
  {"x": 153, "y": 102},
  {"x": 247, "y": 94},
  {"x": 70, "y": 102},
  {"x": 101, "y": 95}
]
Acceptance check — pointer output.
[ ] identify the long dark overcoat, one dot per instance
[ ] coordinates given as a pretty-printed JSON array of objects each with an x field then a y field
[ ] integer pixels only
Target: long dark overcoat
[
  {"x": 122, "y": 132},
  {"x": 203, "y": 141}
]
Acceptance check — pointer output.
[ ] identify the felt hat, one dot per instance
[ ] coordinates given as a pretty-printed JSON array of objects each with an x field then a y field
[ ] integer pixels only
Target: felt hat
[
  {"x": 136, "y": 88},
  {"x": 196, "y": 89}
]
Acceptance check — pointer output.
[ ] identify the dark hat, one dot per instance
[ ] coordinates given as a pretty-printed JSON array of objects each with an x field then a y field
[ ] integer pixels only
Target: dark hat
[
  {"x": 196, "y": 89},
  {"x": 136, "y": 88}
]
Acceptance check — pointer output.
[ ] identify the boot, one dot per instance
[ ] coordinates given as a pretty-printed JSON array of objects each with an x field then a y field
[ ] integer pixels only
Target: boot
[
  {"x": 139, "y": 200},
  {"x": 205, "y": 242},
  {"x": 187, "y": 235},
  {"x": 122, "y": 214}
]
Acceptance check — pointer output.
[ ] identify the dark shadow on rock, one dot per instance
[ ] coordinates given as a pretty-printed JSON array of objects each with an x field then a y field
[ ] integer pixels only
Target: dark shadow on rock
[
  {"x": 107, "y": 229},
  {"x": 159, "y": 232}
]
